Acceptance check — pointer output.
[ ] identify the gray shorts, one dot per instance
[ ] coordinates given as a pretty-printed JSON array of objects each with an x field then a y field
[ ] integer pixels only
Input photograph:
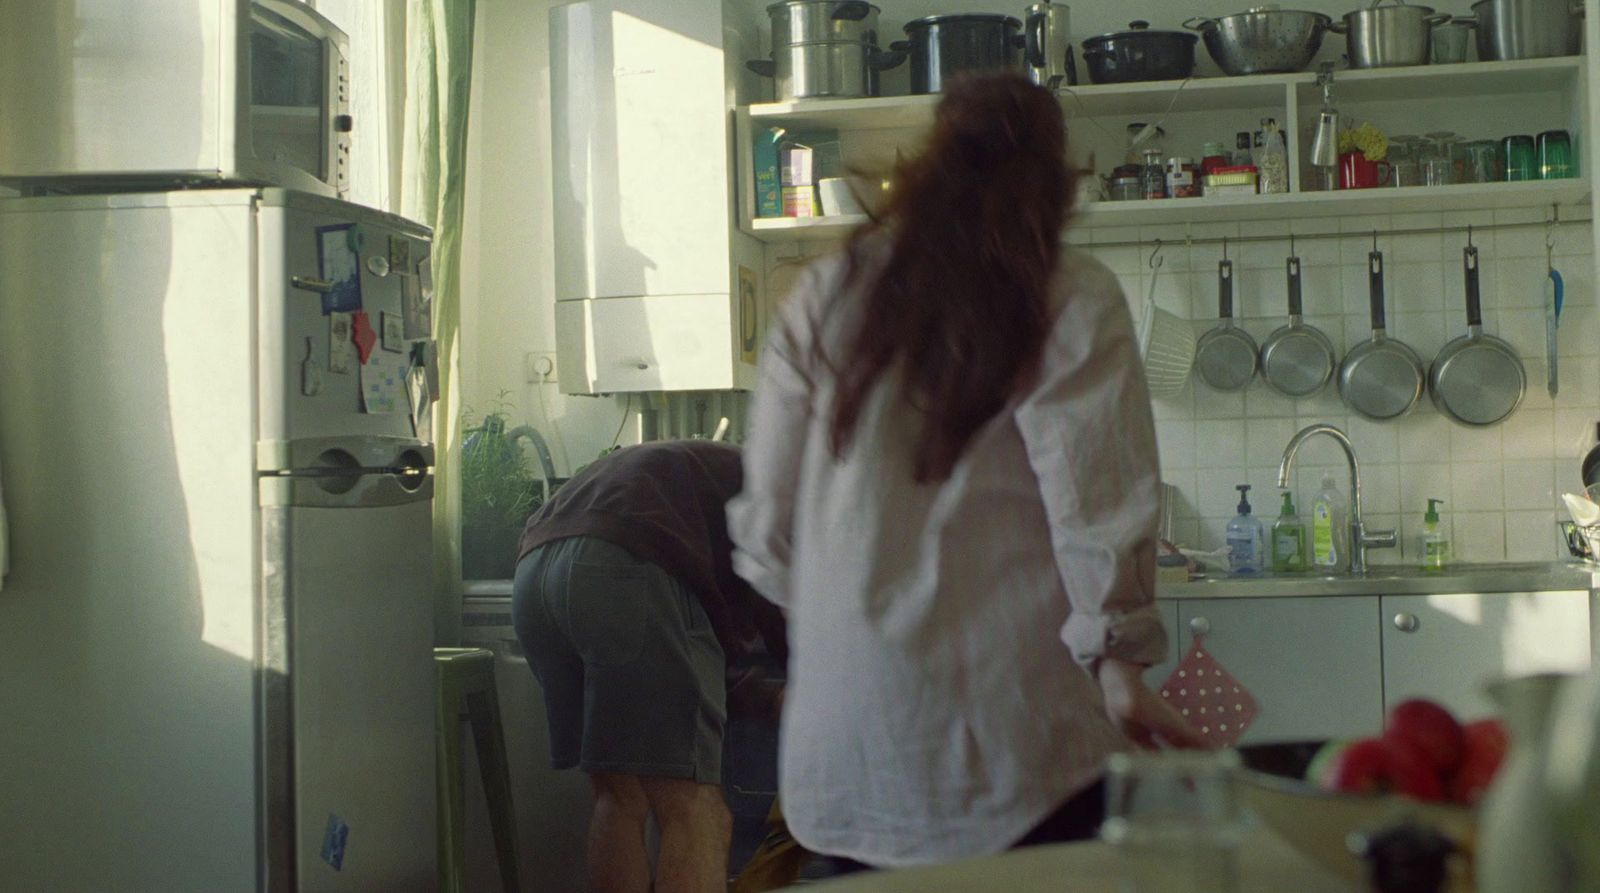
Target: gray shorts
[{"x": 633, "y": 676}]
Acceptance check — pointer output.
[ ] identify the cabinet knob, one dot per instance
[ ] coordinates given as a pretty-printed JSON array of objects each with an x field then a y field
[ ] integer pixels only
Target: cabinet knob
[
  {"x": 1200, "y": 626},
  {"x": 1406, "y": 623}
]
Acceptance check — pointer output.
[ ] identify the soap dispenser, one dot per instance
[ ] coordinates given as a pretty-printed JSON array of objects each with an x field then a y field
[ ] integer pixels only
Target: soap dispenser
[
  {"x": 1330, "y": 534},
  {"x": 1288, "y": 539},
  {"x": 1245, "y": 537},
  {"x": 1435, "y": 543}
]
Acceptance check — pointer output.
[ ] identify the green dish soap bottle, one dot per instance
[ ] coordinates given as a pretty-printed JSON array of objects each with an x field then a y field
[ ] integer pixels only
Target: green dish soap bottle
[
  {"x": 1435, "y": 543},
  {"x": 1288, "y": 539}
]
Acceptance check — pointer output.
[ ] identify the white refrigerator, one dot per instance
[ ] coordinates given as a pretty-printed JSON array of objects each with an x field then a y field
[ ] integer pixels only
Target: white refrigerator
[{"x": 216, "y": 633}]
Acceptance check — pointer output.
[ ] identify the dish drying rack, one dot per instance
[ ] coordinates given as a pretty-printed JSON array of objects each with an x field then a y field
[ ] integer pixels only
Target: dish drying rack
[{"x": 1583, "y": 541}]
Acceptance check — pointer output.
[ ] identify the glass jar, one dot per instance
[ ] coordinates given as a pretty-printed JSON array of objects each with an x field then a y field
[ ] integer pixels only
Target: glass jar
[
  {"x": 1154, "y": 176},
  {"x": 1520, "y": 160},
  {"x": 1405, "y": 168},
  {"x": 1126, "y": 189},
  {"x": 1183, "y": 178}
]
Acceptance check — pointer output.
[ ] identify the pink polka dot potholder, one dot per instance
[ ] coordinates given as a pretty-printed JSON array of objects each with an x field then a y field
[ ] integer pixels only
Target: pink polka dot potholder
[{"x": 1207, "y": 695}]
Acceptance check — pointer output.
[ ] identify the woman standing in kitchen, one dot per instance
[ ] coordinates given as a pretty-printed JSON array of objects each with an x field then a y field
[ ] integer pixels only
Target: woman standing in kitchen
[{"x": 951, "y": 487}]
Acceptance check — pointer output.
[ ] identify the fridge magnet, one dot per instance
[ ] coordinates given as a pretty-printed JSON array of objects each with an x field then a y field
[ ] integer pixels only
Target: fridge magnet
[
  {"x": 378, "y": 265},
  {"x": 414, "y": 310},
  {"x": 334, "y": 839},
  {"x": 363, "y": 335},
  {"x": 383, "y": 384},
  {"x": 341, "y": 347},
  {"x": 399, "y": 254},
  {"x": 310, "y": 372},
  {"x": 394, "y": 339},
  {"x": 340, "y": 266}
]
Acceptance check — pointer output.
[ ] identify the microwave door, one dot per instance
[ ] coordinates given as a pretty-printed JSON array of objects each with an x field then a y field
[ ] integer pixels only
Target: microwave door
[{"x": 296, "y": 127}]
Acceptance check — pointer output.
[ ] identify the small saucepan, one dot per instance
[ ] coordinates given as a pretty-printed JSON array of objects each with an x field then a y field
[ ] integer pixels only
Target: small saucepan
[
  {"x": 1225, "y": 358},
  {"x": 1297, "y": 360},
  {"x": 1477, "y": 379},
  {"x": 1381, "y": 378}
]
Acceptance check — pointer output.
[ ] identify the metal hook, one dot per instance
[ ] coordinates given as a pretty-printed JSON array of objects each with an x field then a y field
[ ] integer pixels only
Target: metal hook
[
  {"x": 1374, "y": 240},
  {"x": 1156, "y": 260},
  {"x": 1224, "y": 247},
  {"x": 1469, "y": 235},
  {"x": 1291, "y": 244},
  {"x": 1549, "y": 234}
]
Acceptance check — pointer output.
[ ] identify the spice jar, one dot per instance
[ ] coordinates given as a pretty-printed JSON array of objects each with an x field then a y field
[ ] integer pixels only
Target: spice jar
[
  {"x": 1127, "y": 189},
  {"x": 1183, "y": 180},
  {"x": 1154, "y": 176},
  {"x": 1213, "y": 157}
]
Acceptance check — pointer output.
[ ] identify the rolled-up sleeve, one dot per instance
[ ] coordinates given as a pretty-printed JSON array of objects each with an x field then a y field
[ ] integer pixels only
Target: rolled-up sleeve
[
  {"x": 761, "y": 517},
  {"x": 1091, "y": 442}
]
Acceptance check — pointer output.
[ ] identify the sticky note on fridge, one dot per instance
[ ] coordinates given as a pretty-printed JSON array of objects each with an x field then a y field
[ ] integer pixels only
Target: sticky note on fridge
[
  {"x": 340, "y": 265},
  {"x": 383, "y": 383}
]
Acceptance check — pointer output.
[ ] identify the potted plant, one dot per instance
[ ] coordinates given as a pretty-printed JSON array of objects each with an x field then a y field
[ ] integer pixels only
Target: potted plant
[{"x": 498, "y": 492}]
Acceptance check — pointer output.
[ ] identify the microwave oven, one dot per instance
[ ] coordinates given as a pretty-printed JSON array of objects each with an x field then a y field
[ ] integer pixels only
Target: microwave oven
[{"x": 101, "y": 95}]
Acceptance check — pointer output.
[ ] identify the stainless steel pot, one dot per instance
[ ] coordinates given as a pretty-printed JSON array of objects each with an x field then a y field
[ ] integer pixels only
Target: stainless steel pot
[
  {"x": 1048, "y": 28},
  {"x": 824, "y": 48},
  {"x": 1260, "y": 41},
  {"x": 1388, "y": 36},
  {"x": 1527, "y": 29},
  {"x": 837, "y": 69},
  {"x": 820, "y": 21}
]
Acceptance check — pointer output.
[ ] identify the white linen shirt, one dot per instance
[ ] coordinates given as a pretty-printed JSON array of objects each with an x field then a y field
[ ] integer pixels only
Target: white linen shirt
[{"x": 943, "y": 637}]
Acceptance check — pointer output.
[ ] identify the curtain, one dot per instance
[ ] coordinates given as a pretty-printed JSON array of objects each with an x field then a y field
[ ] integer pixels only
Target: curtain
[{"x": 433, "y": 173}]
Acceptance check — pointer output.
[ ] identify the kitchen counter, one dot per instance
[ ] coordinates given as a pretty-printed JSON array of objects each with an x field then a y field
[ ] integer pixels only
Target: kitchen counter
[
  {"x": 1552, "y": 576},
  {"x": 1548, "y": 576}
]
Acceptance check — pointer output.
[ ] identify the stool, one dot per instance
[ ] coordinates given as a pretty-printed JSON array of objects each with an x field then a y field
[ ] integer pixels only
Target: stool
[{"x": 468, "y": 674}]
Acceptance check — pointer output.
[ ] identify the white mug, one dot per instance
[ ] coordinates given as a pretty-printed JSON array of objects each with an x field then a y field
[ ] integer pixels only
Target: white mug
[{"x": 836, "y": 196}]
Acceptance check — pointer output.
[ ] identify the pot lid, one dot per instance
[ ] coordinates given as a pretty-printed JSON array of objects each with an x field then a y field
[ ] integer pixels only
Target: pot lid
[
  {"x": 958, "y": 18},
  {"x": 1140, "y": 28},
  {"x": 784, "y": 4}
]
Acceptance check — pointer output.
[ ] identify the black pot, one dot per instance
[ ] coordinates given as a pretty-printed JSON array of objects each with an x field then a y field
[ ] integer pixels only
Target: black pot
[
  {"x": 1140, "y": 54},
  {"x": 941, "y": 46}
]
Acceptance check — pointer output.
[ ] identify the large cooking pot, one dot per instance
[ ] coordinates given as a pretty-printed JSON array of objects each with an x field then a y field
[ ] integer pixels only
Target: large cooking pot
[
  {"x": 1527, "y": 29},
  {"x": 1388, "y": 36},
  {"x": 1139, "y": 54},
  {"x": 824, "y": 48},
  {"x": 1262, "y": 41},
  {"x": 941, "y": 46},
  {"x": 815, "y": 21}
]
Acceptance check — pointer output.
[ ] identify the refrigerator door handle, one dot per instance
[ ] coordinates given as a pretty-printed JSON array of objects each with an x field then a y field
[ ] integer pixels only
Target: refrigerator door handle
[{"x": 364, "y": 488}]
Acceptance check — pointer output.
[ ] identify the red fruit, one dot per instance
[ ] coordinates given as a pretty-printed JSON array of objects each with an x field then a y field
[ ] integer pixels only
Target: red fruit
[
  {"x": 1381, "y": 766},
  {"x": 1362, "y": 767},
  {"x": 1412, "y": 773},
  {"x": 1485, "y": 748},
  {"x": 1429, "y": 730}
]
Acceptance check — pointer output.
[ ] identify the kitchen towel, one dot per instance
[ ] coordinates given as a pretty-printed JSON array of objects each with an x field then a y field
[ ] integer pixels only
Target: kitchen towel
[{"x": 1210, "y": 698}]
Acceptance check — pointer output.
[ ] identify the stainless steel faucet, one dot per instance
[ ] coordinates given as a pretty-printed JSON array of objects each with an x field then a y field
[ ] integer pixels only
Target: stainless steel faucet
[{"x": 1360, "y": 538}]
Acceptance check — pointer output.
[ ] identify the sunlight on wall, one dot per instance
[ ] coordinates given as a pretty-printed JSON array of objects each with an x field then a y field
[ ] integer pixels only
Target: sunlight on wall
[{"x": 1466, "y": 610}]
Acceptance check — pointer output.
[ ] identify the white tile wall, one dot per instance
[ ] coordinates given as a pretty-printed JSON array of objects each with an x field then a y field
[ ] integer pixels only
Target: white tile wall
[{"x": 1501, "y": 485}]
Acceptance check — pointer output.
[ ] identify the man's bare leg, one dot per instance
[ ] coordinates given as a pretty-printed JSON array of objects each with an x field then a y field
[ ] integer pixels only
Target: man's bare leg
[
  {"x": 618, "y": 862},
  {"x": 695, "y": 832}
]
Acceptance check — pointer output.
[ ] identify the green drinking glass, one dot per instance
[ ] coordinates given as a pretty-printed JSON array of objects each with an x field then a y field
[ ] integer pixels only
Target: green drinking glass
[
  {"x": 1521, "y": 163},
  {"x": 1554, "y": 149}
]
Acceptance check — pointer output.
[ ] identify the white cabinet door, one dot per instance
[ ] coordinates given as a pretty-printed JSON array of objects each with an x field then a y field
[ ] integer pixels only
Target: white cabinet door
[
  {"x": 1446, "y": 647},
  {"x": 1312, "y": 663},
  {"x": 1158, "y": 674}
]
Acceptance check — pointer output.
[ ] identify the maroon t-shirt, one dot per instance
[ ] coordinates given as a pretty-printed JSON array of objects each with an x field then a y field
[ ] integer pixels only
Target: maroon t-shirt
[{"x": 664, "y": 502}]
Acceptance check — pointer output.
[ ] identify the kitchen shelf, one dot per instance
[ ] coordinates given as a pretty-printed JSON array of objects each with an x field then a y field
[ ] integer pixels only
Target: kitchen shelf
[
  {"x": 1295, "y": 205},
  {"x": 1468, "y": 79}
]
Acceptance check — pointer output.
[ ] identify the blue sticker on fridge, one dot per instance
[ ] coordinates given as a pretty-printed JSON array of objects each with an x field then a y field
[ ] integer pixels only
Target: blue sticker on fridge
[
  {"x": 340, "y": 265},
  {"x": 333, "y": 841}
]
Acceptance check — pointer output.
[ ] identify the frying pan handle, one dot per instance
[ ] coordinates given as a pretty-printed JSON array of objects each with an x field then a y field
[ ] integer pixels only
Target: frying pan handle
[
  {"x": 1293, "y": 268},
  {"x": 1375, "y": 287},
  {"x": 1225, "y": 290},
  {"x": 1469, "y": 265}
]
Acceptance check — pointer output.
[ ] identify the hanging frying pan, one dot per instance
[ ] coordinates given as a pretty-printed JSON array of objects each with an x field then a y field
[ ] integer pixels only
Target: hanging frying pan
[
  {"x": 1297, "y": 360},
  {"x": 1225, "y": 358},
  {"x": 1381, "y": 378},
  {"x": 1477, "y": 379}
]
